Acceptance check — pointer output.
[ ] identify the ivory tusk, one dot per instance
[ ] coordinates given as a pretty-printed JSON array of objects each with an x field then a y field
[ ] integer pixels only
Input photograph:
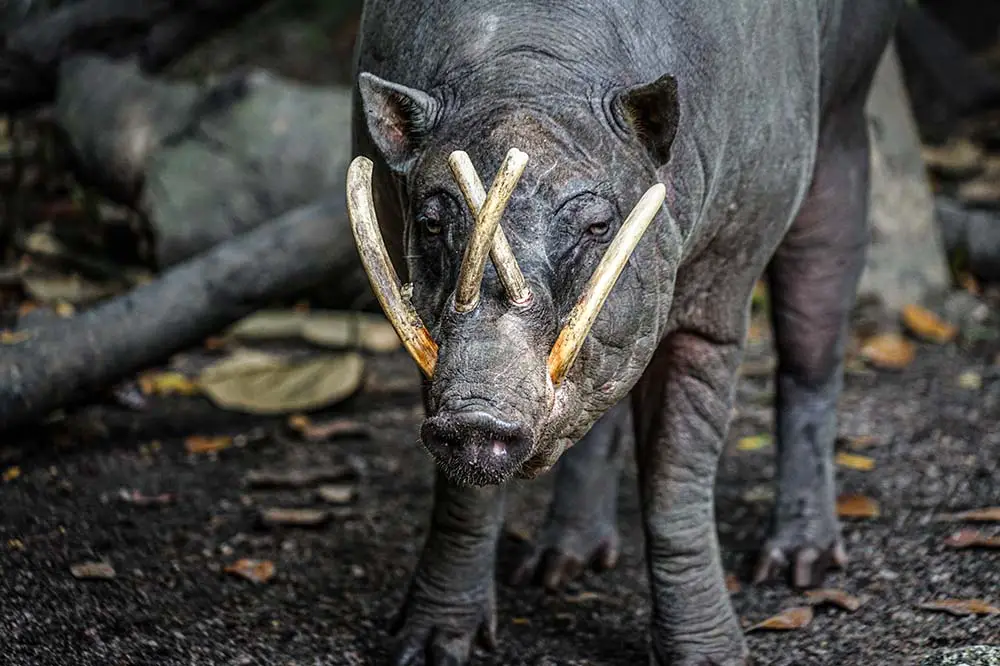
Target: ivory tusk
[
  {"x": 487, "y": 222},
  {"x": 503, "y": 257},
  {"x": 584, "y": 313},
  {"x": 384, "y": 280}
]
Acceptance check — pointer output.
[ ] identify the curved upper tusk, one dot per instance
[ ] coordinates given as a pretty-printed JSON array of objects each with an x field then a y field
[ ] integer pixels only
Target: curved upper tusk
[
  {"x": 384, "y": 280},
  {"x": 470, "y": 276},
  {"x": 503, "y": 257},
  {"x": 581, "y": 318}
]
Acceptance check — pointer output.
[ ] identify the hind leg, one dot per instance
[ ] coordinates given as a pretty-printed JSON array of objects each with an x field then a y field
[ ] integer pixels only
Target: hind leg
[
  {"x": 813, "y": 279},
  {"x": 581, "y": 527}
]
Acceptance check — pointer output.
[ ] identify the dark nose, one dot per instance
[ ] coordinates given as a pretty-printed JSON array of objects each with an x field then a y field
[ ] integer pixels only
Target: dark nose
[{"x": 476, "y": 448}]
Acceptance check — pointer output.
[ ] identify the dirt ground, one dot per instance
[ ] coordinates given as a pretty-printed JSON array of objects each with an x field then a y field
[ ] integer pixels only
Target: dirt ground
[{"x": 936, "y": 449}]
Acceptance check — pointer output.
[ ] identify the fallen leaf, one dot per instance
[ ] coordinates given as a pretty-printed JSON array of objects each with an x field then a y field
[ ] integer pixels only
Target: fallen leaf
[
  {"x": 981, "y": 191},
  {"x": 970, "y": 380},
  {"x": 341, "y": 330},
  {"x": 299, "y": 478},
  {"x": 958, "y": 157},
  {"x": 520, "y": 621},
  {"x": 137, "y": 498},
  {"x": 166, "y": 383},
  {"x": 294, "y": 517},
  {"x": 324, "y": 430},
  {"x": 733, "y": 584},
  {"x": 64, "y": 291},
  {"x": 26, "y": 307},
  {"x": 92, "y": 571},
  {"x": 753, "y": 443},
  {"x": 857, "y": 506},
  {"x": 968, "y": 282},
  {"x": 11, "y": 473},
  {"x": 791, "y": 618},
  {"x": 214, "y": 343},
  {"x": 201, "y": 444},
  {"x": 961, "y": 607},
  {"x": 987, "y": 515},
  {"x": 833, "y": 596},
  {"x": 65, "y": 310},
  {"x": 336, "y": 493},
  {"x": 15, "y": 544},
  {"x": 926, "y": 325},
  {"x": 888, "y": 351},
  {"x": 262, "y": 383},
  {"x": 855, "y": 461},
  {"x": 970, "y": 538},
  {"x": 255, "y": 571},
  {"x": 862, "y": 442},
  {"x": 268, "y": 325},
  {"x": 12, "y": 338}
]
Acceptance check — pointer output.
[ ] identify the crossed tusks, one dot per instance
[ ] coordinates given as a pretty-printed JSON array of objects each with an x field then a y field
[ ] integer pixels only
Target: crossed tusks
[{"x": 487, "y": 239}]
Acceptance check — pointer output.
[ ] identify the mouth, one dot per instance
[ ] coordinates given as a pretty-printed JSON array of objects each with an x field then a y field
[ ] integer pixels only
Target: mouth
[{"x": 476, "y": 447}]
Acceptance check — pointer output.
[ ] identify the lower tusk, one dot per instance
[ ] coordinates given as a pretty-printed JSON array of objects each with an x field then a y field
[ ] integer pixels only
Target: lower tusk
[
  {"x": 503, "y": 257},
  {"x": 385, "y": 283},
  {"x": 584, "y": 313},
  {"x": 487, "y": 222}
]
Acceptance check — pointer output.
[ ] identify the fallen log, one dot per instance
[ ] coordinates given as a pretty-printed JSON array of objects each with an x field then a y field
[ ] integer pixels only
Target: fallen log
[
  {"x": 61, "y": 362},
  {"x": 158, "y": 32}
]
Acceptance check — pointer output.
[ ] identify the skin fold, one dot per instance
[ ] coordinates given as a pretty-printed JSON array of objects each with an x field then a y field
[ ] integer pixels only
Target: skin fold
[{"x": 751, "y": 115}]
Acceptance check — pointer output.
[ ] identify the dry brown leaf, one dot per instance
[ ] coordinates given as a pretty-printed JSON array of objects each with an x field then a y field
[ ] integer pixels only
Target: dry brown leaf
[
  {"x": 961, "y": 607},
  {"x": 166, "y": 383},
  {"x": 255, "y": 571},
  {"x": 12, "y": 338},
  {"x": 324, "y": 430},
  {"x": 11, "y": 473},
  {"x": 857, "y": 506},
  {"x": 989, "y": 514},
  {"x": 92, "y": 571},
  {"x": 788, "y": 619},
  {"x": 855, "y": 461},
  {"x": 888, "y": 351},
  {"x": 294, "y": 517},
  {"x": 834, "y": 596},
  {"x": 862, "y": 442},
  {"x": 968, "y": 282},
  {"x": 926, "y": 325},
  {"x": 970, "y": 380},
  {"x": 201, "y": 444},
  {"x": 970, "y": 538},
  {"x": 733, "y": 585}
]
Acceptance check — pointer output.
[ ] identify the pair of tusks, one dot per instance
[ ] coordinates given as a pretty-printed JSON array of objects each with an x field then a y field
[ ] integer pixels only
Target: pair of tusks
[{"x": 487, "y": 239}]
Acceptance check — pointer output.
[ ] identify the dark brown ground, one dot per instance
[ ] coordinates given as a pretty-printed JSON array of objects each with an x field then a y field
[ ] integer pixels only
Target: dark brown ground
[{"x": 938, "y": 451}]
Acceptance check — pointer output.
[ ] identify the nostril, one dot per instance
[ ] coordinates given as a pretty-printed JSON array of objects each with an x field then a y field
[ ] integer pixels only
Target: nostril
[{"x": 475, "y": 429}]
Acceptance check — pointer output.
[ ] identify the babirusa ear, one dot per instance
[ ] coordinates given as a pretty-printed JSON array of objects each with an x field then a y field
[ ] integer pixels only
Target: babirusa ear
[
  {"x": 398, "y": 118},
  {"x": 651, "y": 112}
]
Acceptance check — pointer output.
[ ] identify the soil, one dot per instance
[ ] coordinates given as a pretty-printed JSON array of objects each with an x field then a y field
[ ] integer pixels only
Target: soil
[{"x": 936, "y": 448}]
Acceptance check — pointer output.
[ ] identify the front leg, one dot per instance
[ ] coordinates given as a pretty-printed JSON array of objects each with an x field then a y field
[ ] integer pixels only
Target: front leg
[
  {"x": 451, "y": 600},
  {"x": 681, "y": 410},
  {"x": 582, "y": 524}
]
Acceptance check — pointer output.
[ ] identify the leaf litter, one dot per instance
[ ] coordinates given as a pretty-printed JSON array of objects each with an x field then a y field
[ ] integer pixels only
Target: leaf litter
[
  {"x": 789, "y": 619},
  {"x": 255, "y": 571}
]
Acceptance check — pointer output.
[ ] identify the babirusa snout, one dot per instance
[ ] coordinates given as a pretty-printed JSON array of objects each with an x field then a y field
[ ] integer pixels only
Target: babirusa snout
[
  {"x": 384, "y": 280},
  {"x": 584, "y": 313},
  {"x": 487, "y": 224},
  {"x": 503, "y": 257}
]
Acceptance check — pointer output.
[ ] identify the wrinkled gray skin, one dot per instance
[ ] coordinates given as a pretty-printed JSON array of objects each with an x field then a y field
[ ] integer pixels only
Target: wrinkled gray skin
[{"x": 751, "y": 114}]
